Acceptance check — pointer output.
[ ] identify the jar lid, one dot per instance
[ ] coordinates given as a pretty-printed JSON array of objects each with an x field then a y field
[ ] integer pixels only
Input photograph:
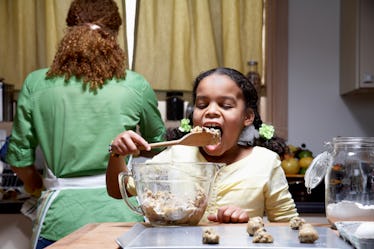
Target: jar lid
[
  {"x": 353, "y": 142},
  {"x": 252, "y": 62},
  {"x": 317, "y": 170}
]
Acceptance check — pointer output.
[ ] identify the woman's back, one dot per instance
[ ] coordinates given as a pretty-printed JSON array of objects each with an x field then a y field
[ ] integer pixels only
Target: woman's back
[{"x": 74, "y": 125}]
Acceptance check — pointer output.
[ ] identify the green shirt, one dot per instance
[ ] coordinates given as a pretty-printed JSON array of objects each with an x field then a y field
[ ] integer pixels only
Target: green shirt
[{"x": 73, "y": 127}]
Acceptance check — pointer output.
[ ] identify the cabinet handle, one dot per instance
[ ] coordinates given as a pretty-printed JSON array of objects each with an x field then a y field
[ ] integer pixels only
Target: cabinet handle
[{"x": 368, "y": 78}]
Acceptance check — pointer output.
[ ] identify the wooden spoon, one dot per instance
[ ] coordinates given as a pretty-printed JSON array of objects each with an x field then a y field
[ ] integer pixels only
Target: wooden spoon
[{"x": 200, "y": 138}]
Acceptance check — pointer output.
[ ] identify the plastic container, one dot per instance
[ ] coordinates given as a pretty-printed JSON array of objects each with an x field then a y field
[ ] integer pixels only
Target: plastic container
[{"x": 348, "y": 170}]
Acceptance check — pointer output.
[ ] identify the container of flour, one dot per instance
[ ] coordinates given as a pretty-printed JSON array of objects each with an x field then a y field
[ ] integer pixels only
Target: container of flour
[{"x": 347, "y": 167}]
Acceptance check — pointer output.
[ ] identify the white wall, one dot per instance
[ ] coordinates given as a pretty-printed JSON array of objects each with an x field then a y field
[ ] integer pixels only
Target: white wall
[{"x": 316, "y": 111}]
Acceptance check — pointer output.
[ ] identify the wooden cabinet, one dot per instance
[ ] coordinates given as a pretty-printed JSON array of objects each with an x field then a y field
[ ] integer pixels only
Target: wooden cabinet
[{"x": 356, "y": 46}]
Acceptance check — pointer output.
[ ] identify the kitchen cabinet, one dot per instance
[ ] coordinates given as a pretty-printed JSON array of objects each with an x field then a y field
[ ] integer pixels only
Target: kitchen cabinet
[{"x": 356, "y": 46}]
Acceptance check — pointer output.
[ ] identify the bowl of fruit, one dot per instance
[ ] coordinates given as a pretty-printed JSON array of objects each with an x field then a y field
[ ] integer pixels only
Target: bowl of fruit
[{"x": 297, "y": 160}]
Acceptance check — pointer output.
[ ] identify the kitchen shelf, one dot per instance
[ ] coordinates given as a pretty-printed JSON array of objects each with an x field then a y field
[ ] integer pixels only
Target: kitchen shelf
[{"x": 295, "y": 175}]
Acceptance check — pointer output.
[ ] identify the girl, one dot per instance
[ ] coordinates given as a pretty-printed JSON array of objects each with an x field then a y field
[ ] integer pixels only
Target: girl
[{"x": 252, "y": 183}]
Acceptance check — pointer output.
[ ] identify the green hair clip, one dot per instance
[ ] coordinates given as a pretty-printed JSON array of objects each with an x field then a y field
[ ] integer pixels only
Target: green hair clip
[
  {"x": 185, "y": 125},
  {"x": 266, "y": 131}
]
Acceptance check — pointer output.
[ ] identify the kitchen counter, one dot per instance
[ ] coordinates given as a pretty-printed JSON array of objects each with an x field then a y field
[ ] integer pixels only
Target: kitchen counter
[{"x": 103, "y": 235}]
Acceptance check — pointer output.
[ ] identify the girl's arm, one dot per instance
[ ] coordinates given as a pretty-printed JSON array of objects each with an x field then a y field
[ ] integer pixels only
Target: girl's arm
[
  {"x": 280, "y": 205},
  {"x": 126, "y": 143},
  {"x": 116, "y": 164}
]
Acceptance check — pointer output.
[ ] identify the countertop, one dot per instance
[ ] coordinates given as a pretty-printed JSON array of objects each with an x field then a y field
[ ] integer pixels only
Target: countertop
[{"x": 103, "y": 235}]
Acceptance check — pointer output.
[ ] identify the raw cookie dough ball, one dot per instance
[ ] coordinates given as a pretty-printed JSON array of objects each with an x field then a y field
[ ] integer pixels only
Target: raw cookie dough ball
[
  {"x": 210, "y": 236},
  {"x": 307, "y": 233},
  {"x": 253, "y": 224},
  {"x": 262, "y": 236},
  {"x": 296, "y": 223}
]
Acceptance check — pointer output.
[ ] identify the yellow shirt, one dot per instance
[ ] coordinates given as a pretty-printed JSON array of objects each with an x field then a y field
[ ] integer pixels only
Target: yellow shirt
[{"x": 256, "y": 183}]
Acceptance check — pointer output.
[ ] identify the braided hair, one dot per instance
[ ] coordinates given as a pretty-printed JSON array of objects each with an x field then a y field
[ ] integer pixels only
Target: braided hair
[{"x": 275, "y": 144}]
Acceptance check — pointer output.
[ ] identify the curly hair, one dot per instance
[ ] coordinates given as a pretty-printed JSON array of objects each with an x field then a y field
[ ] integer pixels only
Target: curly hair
[
  {"x": 89, "y": 49},
  {"x": 101, "y": 12}
]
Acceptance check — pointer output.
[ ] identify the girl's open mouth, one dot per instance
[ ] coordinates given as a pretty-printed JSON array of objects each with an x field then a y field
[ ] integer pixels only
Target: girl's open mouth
[{"x": 218, "y": 130}]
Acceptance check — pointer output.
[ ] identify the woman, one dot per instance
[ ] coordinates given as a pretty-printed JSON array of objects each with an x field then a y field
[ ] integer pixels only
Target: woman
[{"x": 72, "y": 110}]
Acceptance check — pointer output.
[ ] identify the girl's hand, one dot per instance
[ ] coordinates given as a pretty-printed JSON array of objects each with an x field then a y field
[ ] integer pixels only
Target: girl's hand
[
  {"x": 127, "y": 143},
  {"x": 229, "y": 214}
]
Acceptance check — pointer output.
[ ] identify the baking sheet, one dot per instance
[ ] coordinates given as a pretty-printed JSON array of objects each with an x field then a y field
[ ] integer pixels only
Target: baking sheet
[{"x": 143, "y": 237}]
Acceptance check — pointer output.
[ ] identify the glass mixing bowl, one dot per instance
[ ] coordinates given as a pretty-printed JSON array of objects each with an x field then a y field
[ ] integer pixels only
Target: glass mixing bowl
[{"x": 170, "y": 193}]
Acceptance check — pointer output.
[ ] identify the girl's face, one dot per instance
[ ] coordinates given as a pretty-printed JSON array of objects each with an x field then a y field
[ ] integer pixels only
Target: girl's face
[{"x": 220, "y": 104}]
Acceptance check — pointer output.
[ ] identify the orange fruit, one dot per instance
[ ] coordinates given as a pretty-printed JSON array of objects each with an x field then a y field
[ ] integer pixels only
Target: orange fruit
[
  {"x": 290, "y": 166},
  {"x": 305, "y": 161}
]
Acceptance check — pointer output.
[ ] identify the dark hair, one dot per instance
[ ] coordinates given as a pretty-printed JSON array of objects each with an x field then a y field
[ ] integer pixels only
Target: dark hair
[
  {"x": 89, "y": 49},
  {"x": 275, "y": 144},
  {"x": 101, "y": 12}
]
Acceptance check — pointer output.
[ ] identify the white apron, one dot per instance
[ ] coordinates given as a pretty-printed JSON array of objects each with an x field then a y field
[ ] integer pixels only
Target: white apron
[{"x": 53, "y": 187}]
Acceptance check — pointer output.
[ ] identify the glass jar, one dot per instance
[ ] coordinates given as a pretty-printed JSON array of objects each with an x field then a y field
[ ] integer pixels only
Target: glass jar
[
  {"x": 348, "y": 170},
  {"x": 254, "y": 76}
]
